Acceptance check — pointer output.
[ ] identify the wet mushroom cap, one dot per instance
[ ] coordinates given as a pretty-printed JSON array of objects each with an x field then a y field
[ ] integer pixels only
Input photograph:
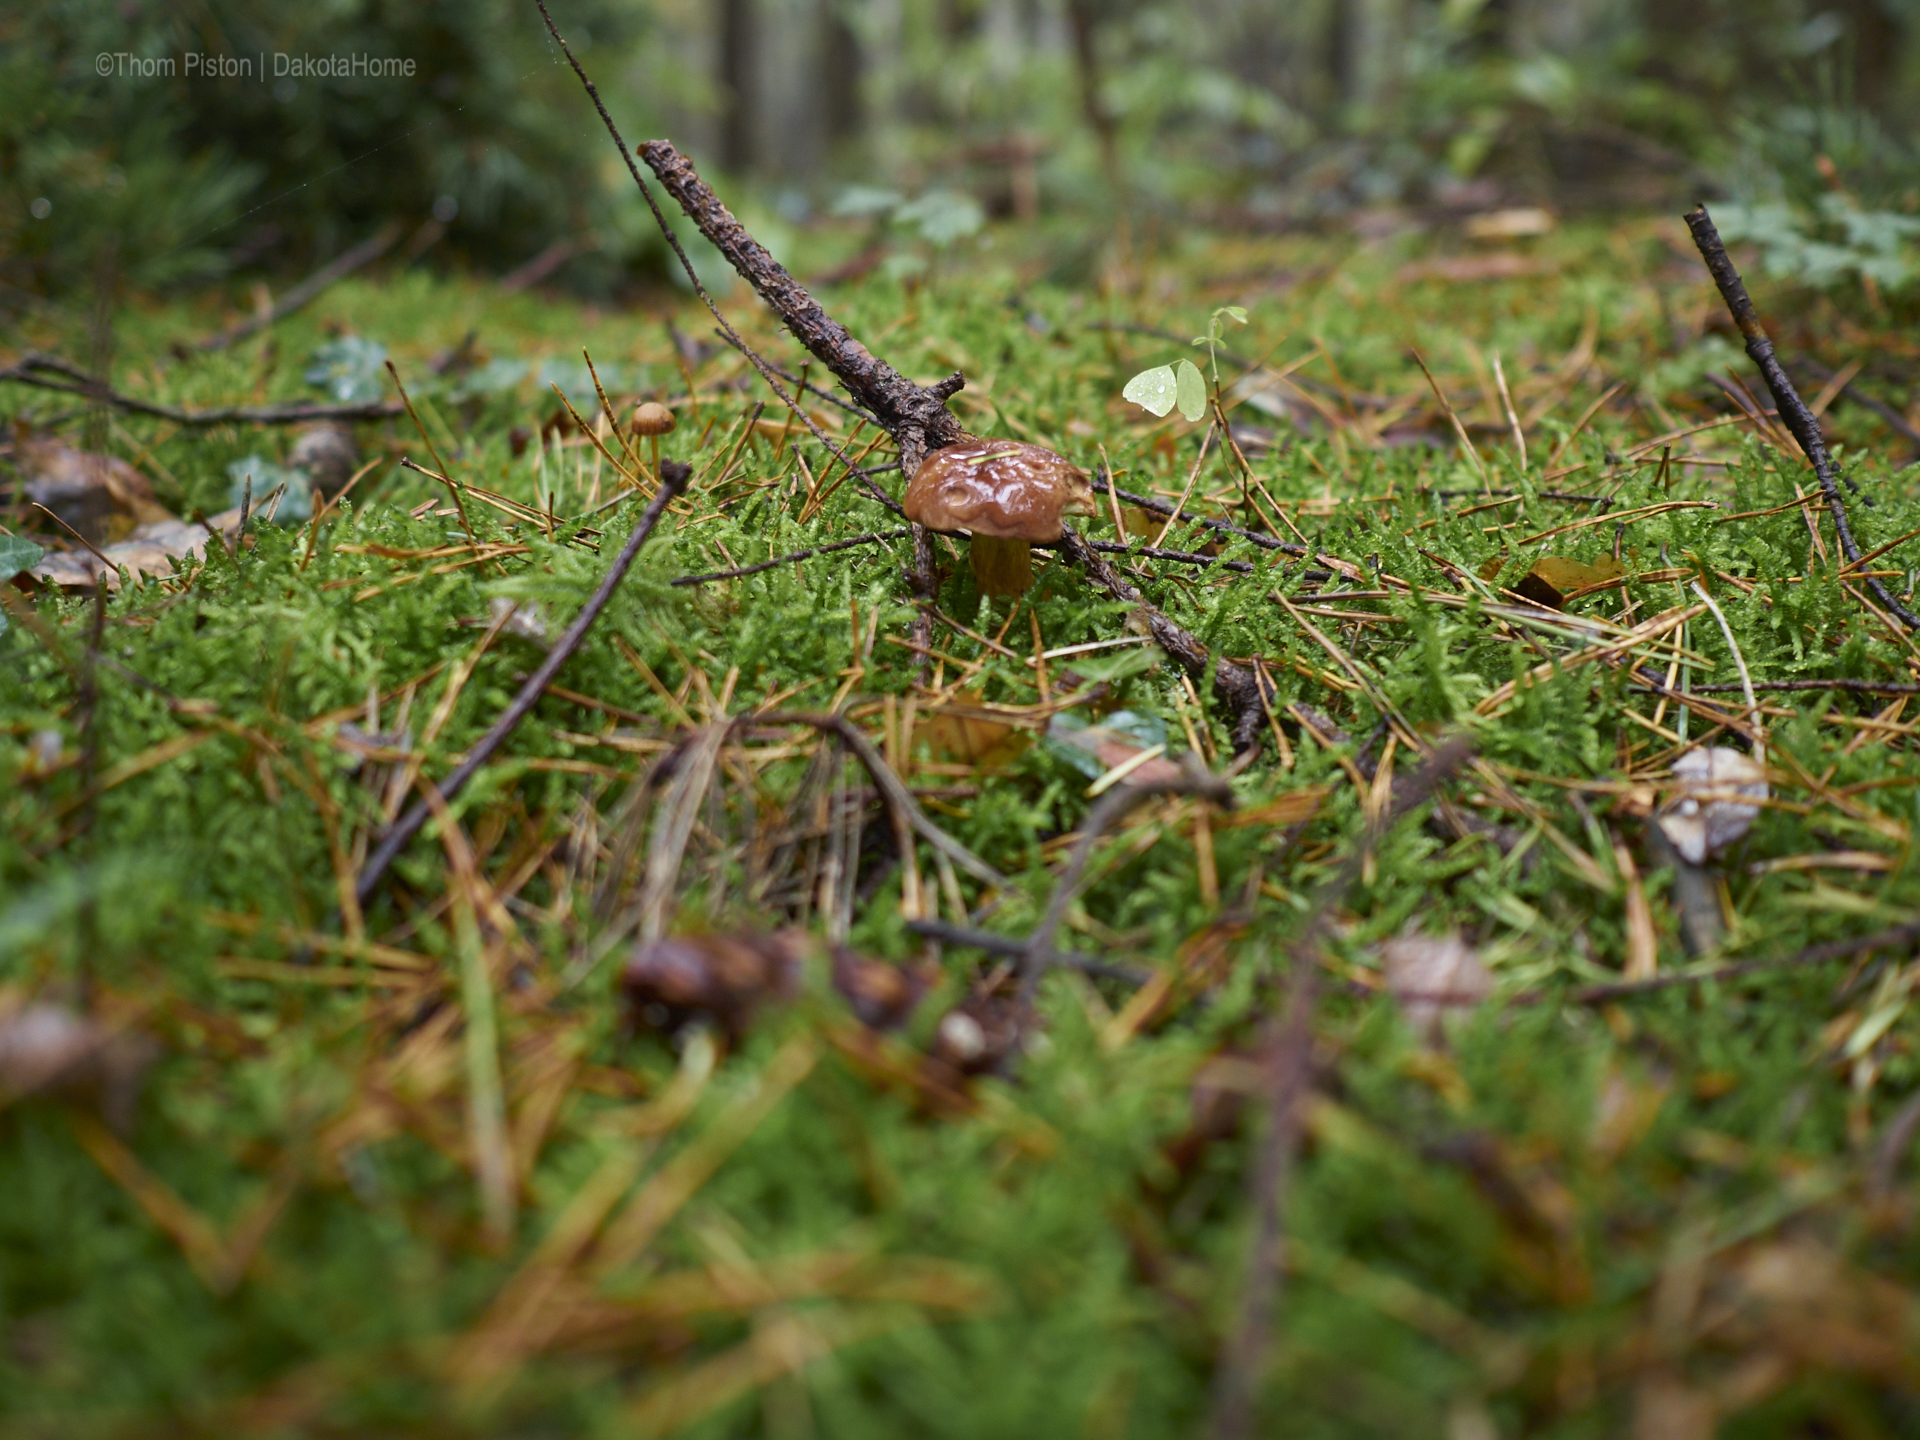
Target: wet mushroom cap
[
  {"x": 652, "y": 418},
  {"x": 1000, "y": 488}
]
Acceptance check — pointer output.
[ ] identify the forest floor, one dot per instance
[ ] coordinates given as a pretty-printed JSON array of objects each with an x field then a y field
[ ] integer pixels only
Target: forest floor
[{"x": 1403, "y": 1073}]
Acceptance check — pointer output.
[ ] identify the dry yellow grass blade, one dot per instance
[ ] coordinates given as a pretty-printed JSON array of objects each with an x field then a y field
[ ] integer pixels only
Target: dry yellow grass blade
[
  {"x": 1648, "y": 630},
  {"x": 680, "y": 1178},
  {"x": 785, "y": 1345},
  {"x": 220, "y": 1264}
]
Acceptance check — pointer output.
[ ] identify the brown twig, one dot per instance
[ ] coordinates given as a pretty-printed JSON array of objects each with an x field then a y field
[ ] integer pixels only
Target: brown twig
[
  {"x": 1895, "y": 421},
  {"x": 1793, "y": 410},
  {"x": 98, "y": 554},
  {"x": 969, "y": 938},
  {"x": 36, "y": 370},
  {"x": 673, "y": 478},
  {"x": 1038, "y": 952},
  {"x": 1238, "y": 687},
  {"x": 1287, "y": 1051},
  {"x": 336, "y": 269},
  {"x": 1897, "y": 936},
  {"x": 916, "y": 417},
  {"x": 879, "y": 537}
]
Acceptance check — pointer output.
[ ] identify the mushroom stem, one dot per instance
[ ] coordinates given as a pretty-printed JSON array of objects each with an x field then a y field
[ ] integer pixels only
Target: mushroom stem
[{"x": 1003, "y": 567}]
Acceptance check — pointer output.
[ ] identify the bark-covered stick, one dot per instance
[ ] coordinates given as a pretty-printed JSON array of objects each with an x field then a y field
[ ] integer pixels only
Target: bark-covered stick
[
  {"x": 909, "y": 410},
  {"x": 1799, "y": 419},
  {"x": 915, "y": 415},
  {"x": 673, "y": 479}
]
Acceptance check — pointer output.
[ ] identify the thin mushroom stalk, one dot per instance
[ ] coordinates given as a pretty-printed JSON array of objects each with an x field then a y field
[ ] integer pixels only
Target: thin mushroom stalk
[{"x": 1002, "y": 567}]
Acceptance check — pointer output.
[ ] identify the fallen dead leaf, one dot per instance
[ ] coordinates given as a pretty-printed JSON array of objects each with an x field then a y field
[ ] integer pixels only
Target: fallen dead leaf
[
  {"x": 1466, "y": 269},
  {"x": 101, "y": 496},
  {"x": 149, "y": 550},
  {"x": 1553, "y": 579},
  {"x": 1430, "y": 975}
]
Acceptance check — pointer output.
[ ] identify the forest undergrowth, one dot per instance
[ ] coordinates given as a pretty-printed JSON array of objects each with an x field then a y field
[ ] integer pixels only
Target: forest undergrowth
[{"x": 708, "y": 1064}]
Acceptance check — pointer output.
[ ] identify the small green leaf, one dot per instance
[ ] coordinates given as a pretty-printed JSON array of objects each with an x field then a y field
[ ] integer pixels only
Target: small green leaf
[
  {"x": 17, "y": 555},
  {"x": 1155, "y": 390},
  {"x": 1232, "y": 312},
  {"x": 1191, "y": 390}
]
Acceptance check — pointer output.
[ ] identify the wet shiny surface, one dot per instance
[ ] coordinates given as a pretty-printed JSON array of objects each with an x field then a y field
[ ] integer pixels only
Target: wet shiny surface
[{"x": 1003, "y": 488}]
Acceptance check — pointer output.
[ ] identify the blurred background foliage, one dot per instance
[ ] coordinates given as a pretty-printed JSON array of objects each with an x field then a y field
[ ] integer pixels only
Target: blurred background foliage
[{"x": 921, "y": 119}]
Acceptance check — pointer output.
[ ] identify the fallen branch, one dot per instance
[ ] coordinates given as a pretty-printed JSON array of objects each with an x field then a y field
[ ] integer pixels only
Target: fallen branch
[
  {"x": 915, "y": 416},
  {"x": 1793, "y": 410},
  {"x": 37, "y": 370},
  {"x": 673, "y": 478},
  {"x": 336, "y": 269},
  {"x": 1238, "y": 687}
]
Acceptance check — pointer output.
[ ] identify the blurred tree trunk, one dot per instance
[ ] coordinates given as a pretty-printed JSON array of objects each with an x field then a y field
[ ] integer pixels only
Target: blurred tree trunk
[
  {"x": 1364, "y": 51},
  {"x": 739, "y": 86},
  {"x": 1875, "y": 40},
  {"x": 842, "y": 117},
  {"x": 1083, "y": 20}
]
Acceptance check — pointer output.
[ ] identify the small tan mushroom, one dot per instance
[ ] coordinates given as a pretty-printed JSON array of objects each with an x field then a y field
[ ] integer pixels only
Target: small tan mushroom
[
  {"x": 1006, "y": 495},
  {"x": 653, "y": 420}
]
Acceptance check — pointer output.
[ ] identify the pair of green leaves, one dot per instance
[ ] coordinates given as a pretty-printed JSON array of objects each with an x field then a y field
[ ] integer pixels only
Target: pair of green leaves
[{"x": 1160, "y": 389}]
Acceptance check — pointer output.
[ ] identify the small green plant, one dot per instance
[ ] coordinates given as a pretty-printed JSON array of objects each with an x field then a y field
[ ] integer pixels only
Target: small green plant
[
  {"x": 1181, "y": 384},
  {"x": 1836, "y": 243}
]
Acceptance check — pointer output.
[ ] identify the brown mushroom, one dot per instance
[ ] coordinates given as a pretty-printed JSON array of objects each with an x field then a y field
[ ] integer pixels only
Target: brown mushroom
[
  {"x": 653, "y": 420},
  {"x": 1006, "y": 495}
]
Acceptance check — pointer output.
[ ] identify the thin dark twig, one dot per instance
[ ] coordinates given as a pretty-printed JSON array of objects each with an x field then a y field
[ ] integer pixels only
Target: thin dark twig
[
  {"x": 679, "y": 179},
  {"x": 336, "y": 269},
  {"x": 879, "y": 537},
  {"x": 1287, "y": 1050},
  {"x": 98, "y": 554},
  {"x": 1107, "y": 811},
  {"x": 1154, "y": 552},
  {"x": 807, "y": 385},
  {"x": 969, "y": 938},
  {"x": 892, "y": 789},
  {"x": 673, "y": 478},
  {"x": 1865, "y": 687},
  {"x": 35, "y": 370},
  {"x": 1160, "y": 507},
  {"x": 1897, "y": 936},
  {"x": 1238, "y": 687},
  {"x": 1793, "y": 410},
  {"x": 1895, "y": 421}
]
